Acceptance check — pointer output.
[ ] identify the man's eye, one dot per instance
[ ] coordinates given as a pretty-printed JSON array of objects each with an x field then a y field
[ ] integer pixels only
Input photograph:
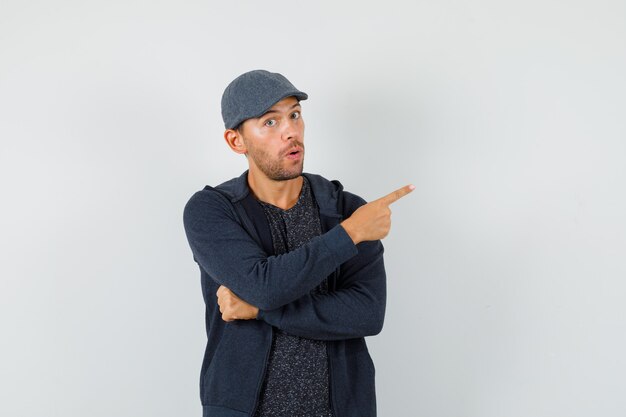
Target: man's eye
[
  {"x": 270, "y": 122},
  {"x": 295, "y": 115}
]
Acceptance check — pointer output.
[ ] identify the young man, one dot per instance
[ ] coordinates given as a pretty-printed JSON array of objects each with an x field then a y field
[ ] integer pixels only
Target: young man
[{"x": 291, "y": 268}]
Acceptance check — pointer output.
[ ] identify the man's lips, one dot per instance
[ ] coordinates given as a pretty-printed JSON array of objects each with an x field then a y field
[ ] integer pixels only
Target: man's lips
[{"x": 294, "y": 153}]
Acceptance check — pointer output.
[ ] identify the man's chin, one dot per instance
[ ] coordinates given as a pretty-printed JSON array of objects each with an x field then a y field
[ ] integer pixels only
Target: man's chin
[{"x": 286, "y": 176}]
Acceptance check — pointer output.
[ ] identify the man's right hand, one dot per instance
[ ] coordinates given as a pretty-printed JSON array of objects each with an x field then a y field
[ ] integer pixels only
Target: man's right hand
[
  {"x": 372, "y": 221},
  {"x": 234, "y": 308}
]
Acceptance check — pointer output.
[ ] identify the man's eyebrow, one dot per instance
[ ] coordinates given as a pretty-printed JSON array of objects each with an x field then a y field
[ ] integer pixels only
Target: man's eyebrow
[{"x": 276, "y": 111}]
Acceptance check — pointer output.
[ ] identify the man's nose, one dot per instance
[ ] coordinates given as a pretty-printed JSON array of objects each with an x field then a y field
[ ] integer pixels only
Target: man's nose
[{"x": 291, "y": 130}]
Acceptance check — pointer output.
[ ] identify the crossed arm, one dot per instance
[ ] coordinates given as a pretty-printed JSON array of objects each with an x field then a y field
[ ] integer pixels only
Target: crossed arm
[
  {"x": 228, "y": 253},
  {"x": 355, "y": 309},
  {"x": 277, "y": 289}
]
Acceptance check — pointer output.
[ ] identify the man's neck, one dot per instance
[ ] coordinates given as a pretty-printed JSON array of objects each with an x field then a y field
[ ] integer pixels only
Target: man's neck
[{"x": 283, "y": 194}]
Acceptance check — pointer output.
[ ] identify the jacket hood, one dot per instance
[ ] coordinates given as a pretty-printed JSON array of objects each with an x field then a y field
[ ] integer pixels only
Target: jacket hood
[{"x": 326, "y": 192}]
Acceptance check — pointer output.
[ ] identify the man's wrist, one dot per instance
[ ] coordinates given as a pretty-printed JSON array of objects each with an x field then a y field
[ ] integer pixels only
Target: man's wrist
[{"x": 350, "y": 230}]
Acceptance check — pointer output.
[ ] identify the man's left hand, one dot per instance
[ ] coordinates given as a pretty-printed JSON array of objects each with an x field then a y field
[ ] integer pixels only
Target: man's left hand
[{"x": 233, "y": 307}]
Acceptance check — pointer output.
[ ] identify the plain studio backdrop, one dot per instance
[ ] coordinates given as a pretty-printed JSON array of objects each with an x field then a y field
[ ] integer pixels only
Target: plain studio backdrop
[{"x": 506, "y": 266}]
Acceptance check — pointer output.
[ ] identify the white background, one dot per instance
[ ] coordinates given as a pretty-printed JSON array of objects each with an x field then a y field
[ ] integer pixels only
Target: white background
[{"x": 505, "y": 266}]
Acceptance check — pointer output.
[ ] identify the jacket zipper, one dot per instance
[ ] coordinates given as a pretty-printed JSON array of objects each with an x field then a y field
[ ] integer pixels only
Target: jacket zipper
[
  {"x": 331, "y": 398},
  {"x": 260, "y": 384}
]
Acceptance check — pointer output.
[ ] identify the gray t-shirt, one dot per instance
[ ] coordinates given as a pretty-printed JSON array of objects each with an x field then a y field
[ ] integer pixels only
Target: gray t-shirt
[{"x": 296, "y": 380}]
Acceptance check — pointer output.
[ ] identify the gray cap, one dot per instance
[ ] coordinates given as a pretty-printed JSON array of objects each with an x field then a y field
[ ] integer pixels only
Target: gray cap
[{"x": 253, "y": 93}]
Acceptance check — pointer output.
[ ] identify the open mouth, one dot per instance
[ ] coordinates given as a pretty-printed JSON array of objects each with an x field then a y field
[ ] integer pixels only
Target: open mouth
[{"x": 295, "y": 154}]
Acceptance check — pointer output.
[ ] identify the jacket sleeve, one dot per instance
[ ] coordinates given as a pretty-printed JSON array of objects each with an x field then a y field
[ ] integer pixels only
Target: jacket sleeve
[
  {"x": 355, "y": 309},
  {"x": 225, "y": 250}
]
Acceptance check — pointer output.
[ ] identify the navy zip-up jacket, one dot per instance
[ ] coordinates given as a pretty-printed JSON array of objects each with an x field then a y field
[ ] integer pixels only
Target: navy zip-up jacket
[{"x": 231, "y": 241}]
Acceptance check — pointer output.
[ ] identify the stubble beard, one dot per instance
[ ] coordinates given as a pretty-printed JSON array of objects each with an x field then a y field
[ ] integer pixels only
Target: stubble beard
[{"x": 273, "y": 168}]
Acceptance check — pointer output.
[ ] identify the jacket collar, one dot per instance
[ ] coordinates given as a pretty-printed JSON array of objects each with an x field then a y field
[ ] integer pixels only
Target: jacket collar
[{"x": 326, "y": 192}]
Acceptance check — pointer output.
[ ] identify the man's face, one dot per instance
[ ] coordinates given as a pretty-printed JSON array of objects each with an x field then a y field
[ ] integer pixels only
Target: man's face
[{"x": 275, "y": 141}]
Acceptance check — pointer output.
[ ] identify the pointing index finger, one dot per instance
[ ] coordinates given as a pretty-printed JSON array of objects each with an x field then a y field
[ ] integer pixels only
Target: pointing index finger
[{"x": 398, "y": 194}]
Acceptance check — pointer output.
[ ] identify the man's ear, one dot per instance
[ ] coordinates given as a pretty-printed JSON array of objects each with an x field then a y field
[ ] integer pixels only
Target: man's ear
[{"x": 235, "y": 141}]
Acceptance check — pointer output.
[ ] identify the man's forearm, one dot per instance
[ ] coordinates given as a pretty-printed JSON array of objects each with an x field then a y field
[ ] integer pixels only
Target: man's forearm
[
  {"x": 355, "y": 309},
  {"x": 227, "y": 252}
]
